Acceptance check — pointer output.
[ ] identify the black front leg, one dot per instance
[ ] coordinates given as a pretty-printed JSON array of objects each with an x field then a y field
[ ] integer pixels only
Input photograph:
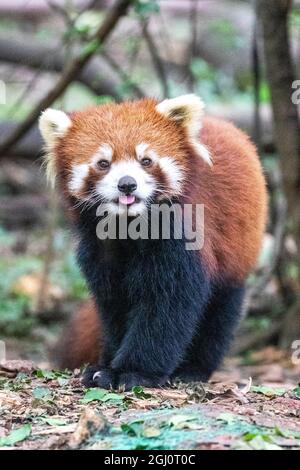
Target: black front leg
[
  {"x": 113, "y": 332},
  {"x": 155, "y": 342},
  {"x": 214, "y": 334},
  {"x": 169, "y": 290}
]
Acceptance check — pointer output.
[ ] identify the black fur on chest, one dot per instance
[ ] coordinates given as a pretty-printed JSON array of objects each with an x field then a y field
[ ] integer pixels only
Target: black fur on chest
[
  {"x": 161, "y": 312},
  {"x": 121, "y": 273}
]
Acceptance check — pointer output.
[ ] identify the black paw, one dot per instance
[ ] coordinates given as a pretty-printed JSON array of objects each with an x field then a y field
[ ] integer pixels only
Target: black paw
[
  {"x": 95, "y": 377},
  {"x": 127, "y": 380}
]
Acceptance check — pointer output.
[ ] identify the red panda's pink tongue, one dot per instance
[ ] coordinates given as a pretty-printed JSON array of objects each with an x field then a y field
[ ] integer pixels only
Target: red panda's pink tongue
[{"x": 126, "y": 200}]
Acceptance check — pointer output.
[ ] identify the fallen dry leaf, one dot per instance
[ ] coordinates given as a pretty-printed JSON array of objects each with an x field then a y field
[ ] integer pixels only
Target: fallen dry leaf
[
  {"x": 54, "y": 442},
  {"x": 90, "y": 422},
  {"x": 67, "y": 429},
  {"x": 247, "y": 387},
  {"x": 11, "y": 368},
  {"x": 228, "y": 391},
  {"x": 10, "y": 400}
]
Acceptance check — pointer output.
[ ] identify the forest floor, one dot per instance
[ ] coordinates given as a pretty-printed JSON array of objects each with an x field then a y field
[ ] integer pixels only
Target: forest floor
[{"x": 253, "y": 406}]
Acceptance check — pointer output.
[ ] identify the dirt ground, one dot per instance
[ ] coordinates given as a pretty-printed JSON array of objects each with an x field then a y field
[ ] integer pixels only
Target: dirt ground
[{"x": 254, "y": 406}]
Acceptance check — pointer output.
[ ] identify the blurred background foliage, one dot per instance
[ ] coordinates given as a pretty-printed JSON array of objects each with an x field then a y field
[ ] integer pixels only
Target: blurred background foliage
[{"x": 159, "y": 48}]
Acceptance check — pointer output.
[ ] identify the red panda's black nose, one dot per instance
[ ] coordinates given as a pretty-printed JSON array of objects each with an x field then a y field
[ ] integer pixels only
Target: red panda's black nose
[{"x": 127, "y": 184}]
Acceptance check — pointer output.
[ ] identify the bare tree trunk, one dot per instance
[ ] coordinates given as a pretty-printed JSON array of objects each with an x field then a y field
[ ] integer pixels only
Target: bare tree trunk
[{"x": 274, "y": 19}]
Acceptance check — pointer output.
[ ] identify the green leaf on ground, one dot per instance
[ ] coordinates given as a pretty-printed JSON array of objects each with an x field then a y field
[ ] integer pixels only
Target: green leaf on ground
[
  {"x": 182, "y": 421},
  {"x": 52, "y": 374},
  {"x": 297, "y": 391},
  {"x": 140, "y": 393},
  {"x": 42, "y": 393},
  {"x": 44, "y": 374},
  {"x": 17, "y": 435},
  {"x": 228, "y": 418},
  {"x": 133, "y": 429},
  {"x": 268, "y": 391},
  {"x": 284, "y": 433},
  {"x": 255, "y": 441},
  {"x": 113, "y": 397},
  {"x": 99, "y": 394},
  {"x": 54, "y": 421}
]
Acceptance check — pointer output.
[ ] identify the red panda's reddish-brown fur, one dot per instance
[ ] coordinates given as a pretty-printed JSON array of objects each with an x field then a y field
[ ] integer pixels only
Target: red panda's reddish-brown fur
[
  {"x": 80, "y": 342},
  {"x": 234, "y": 195},
  {"x": 232, "y": 190}
]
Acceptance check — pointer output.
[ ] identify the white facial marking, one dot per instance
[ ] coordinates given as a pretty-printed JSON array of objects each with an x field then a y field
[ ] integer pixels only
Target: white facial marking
[
  {"x": 79, "y": 173},
  {"x": 140, "y": 150},
  {"x": 174, "y": 173},
  {"x": 203, "y": 151},
  {"x": 105, "y": 151},
  {"x": 108, "y": 186}
]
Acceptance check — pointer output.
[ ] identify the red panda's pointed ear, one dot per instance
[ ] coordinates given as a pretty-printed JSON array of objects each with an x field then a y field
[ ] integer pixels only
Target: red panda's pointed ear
[
  {"x": 188, "y": 111},
  {"x": 53, "y": 125}
]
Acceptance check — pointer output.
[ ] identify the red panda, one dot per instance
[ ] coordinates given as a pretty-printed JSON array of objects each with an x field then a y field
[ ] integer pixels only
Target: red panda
[{"x": 161, "y": 310}]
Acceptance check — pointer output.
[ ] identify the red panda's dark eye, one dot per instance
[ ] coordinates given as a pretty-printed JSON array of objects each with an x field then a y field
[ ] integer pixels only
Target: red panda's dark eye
[
  {"x": 103, "y": 164},
  {"x": 146, "y": 162}
]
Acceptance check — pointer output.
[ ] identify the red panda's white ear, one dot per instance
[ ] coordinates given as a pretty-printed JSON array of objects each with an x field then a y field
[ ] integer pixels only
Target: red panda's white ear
[
  {"x": 188, "y": 111},
  {"x": 53, "y": 125}
]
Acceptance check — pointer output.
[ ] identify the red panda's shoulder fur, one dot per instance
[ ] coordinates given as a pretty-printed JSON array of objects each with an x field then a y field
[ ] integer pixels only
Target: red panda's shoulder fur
[{"x": 234, "y": 195}]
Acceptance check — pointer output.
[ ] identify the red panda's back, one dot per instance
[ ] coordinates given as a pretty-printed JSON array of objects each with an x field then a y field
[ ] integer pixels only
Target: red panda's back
[{"x": 234, "y": 193}]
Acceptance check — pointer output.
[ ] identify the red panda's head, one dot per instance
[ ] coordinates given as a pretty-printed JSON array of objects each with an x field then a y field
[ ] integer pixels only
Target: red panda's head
[{"x": 124, "y": 155}]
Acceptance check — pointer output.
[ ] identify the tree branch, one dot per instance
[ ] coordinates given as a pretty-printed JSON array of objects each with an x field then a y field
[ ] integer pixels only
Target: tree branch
[
  {"x": 192, "y": 53},
  {"x": 70, "y": 72},
  {"x": 97, "y": 74},
  {"x": 156, "y": 60}
]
